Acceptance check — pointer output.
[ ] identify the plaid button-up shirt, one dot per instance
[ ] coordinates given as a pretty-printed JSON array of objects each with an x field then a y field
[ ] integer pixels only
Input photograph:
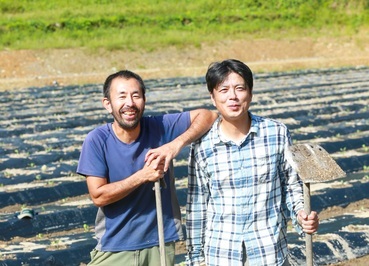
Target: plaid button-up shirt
[{"x": 241, "y": 193}]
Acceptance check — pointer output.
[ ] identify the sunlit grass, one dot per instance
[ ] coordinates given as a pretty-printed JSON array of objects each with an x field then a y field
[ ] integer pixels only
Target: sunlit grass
[{"x": 149, "y": 25}]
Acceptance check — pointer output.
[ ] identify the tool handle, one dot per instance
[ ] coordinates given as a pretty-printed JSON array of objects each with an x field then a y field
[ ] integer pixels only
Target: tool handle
[
  {"x": 308, "y": 237},
  {"x": 159, "y": 213}
]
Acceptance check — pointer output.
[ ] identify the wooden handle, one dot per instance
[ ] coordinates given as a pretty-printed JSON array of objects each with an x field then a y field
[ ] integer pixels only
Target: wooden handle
[
  {"x": 159, "y": 214},
  {"x": 308, "y": 237}
]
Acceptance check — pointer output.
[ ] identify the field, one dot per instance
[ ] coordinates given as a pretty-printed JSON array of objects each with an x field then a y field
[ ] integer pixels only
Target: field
[
  {"x": 315, "y": 81},
  {"x": 42, "y": 129}
]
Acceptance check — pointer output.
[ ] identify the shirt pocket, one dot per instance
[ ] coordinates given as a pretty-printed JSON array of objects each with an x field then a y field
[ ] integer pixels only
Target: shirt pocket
[{"x": 265, "y": 168}]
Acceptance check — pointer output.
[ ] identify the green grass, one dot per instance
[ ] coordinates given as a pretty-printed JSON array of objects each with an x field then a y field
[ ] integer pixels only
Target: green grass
[{"x": 150, "y": 24}]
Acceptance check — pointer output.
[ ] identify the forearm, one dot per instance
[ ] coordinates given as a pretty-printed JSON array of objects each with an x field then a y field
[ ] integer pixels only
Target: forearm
[
  {"x": 295, "y": 200},
  {"x": 196, "y": 212},
  {"x": 201, "y": 122},
  {"x": 107, "y": 193},
  {"x": 195, "y": 245},
  {"x": 292, "y": 186}
]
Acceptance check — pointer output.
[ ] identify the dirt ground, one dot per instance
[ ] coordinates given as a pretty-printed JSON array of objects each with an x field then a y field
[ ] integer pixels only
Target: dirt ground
[{"x": 22, "y": 69}]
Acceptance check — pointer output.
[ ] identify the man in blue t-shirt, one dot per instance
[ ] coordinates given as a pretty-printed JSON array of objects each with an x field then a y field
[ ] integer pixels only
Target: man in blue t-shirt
[{"x": 121, "y": 160}]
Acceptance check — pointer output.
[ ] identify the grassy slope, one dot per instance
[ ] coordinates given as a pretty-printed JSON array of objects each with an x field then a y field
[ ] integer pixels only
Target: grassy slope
[{"x": 148, "y": 24}]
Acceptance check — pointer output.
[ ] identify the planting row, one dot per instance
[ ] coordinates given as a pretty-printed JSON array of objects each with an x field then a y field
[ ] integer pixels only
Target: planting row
[{"x": 42, "y": 130}]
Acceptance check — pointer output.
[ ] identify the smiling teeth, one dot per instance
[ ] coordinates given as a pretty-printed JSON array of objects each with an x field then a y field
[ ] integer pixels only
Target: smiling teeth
[{"x": 128, "y": 113}]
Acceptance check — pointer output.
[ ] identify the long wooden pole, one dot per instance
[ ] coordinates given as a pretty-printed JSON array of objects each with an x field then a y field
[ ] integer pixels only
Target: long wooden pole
[
  {"x": 159, "y": 212},
  {"x": 308, "y": 237}
]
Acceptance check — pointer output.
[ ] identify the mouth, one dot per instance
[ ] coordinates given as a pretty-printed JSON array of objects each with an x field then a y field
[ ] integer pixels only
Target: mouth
[
  {"x": 234, "y": 107},
  {"x": 129, "y": 114}
]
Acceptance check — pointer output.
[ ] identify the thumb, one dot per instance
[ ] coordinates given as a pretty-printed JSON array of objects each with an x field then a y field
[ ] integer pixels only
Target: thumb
[{"x": 303, "y": 215}]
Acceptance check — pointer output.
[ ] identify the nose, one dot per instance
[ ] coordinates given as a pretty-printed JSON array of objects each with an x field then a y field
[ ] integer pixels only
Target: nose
[
  {"x": 233, "y": 93},
  {"x": 129, "y": 101}
]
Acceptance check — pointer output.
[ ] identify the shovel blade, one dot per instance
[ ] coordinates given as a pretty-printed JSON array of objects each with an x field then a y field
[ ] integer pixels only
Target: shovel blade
[{"x": 313, "y": 163}]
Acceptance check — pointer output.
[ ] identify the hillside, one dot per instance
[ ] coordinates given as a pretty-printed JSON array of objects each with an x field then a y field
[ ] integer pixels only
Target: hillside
[{"x": 20, "y": 69}]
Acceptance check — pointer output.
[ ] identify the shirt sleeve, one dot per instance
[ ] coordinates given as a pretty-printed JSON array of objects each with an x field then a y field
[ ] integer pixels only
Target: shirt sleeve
[
  {"x": 197, "y": 200},
  {"x": 92, "y": 159},
  {"x": 293, "y": 188},
  {"x": 175, "y": 124}
]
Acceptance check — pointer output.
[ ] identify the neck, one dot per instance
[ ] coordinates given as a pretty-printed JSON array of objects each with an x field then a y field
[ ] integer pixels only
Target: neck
[
  {"x": 235, "y": 130},
  {"x": 124, "y": 135}
]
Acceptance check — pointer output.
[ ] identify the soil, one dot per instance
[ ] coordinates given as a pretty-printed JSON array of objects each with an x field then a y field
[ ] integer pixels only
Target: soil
[
  {"x": 25, "y": 68},
  {"x": 37, "y": 68}
]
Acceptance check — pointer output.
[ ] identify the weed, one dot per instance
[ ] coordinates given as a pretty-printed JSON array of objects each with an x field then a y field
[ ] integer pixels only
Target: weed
[
  {"x": 365, "y": 148},
  {"x": 55, "y": 242},
  {"x": 86, "y": 227},
  {"x": 43, "y": 168},
  {"x": 49, "y": 149},
  {"x": 8, "y": 174}
]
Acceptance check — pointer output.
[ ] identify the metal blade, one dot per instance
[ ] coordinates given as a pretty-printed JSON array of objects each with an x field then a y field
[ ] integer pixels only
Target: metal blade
[{"x": 313, "y": 163}]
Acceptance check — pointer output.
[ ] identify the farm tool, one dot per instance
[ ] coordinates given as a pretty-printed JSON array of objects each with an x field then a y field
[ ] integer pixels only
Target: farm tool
[
  {"x": 159, "y": 213},
  {"x": 314, "y": 165}
]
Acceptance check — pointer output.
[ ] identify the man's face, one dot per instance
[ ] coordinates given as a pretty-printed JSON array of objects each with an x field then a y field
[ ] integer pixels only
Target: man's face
[
  {"x": 232, "y": 98},
  {"x": 127, "y": 102}
]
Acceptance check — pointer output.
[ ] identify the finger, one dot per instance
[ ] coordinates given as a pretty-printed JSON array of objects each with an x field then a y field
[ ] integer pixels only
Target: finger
[
  {"x": 152, "y": 153},
  {"x": 151, "y": 158},
  {"x": 313, "y": 229},
  {"x": 166, "y": 165},
  {"x": 310, "y": 227},
  {"x": 313, "y": 215},
  {"x": 309, "y": 232},
  {"x": 148, "y": 154},
  {"x": 154, "y": 164},
  {"x": 159, "y": 163}
]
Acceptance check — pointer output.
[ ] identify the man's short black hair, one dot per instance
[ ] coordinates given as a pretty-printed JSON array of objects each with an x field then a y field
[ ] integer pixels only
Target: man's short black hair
[
  {"x": 219, "y": 71},
  {"x": 122, "y": 74}
]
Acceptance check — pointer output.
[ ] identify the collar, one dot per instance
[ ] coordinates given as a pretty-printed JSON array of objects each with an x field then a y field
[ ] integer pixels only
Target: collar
[{"x": 215, "y": 131}]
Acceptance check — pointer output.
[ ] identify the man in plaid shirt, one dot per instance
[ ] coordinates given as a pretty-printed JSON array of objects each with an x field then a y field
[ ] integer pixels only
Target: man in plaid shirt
[{"x": 241, "y": 190}]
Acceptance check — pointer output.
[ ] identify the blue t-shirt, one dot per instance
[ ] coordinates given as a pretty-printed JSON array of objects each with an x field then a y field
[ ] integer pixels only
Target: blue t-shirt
[{"x": 131, "y": 223}]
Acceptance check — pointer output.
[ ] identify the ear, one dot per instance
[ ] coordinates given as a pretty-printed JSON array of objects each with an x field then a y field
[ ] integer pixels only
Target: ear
[
  {"x": 106, "y": 103},
  {"x": 212, "y": 100}
]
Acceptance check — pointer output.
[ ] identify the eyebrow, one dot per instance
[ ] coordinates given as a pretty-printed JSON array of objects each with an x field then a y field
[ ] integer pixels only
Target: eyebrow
[
  {"x": 124, "y": 91},
  {"x": 237, "y": 85}
]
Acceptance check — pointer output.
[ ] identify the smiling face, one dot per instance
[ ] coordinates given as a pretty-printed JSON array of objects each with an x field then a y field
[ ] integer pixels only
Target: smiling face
[
  {"x": 126, "y": 103},
  {"x": 232, "y": 98}
]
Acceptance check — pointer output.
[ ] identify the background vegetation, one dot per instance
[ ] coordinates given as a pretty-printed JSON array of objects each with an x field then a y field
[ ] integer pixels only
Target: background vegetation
[{"x": 149, "y": 24}]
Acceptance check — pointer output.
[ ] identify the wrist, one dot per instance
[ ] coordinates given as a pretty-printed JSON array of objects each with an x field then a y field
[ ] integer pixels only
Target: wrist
[
  {"x": 139, "y": 179},
  {"x": 176, "y": 145}
]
